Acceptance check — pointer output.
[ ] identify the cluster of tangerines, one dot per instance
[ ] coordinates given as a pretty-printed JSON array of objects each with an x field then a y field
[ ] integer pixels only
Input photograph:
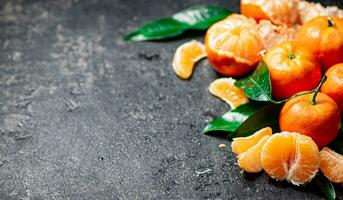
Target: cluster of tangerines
[{"x": 297, "y": 56}]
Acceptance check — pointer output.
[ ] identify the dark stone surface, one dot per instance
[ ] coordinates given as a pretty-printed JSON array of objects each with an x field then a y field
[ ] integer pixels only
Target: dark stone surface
[{"x": 84, "y": 115}]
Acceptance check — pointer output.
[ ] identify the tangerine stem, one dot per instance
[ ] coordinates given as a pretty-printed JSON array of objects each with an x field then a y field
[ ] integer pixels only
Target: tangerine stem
[
  {"x": 313, "y": 101},
  {"x": 291, "y": 56},
  {"x": 330, "y": 22}
]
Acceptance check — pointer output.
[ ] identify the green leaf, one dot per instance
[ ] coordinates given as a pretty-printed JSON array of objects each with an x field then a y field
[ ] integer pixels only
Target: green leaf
[
  {"x": 194, "y": 18},
  {"x": 159, "y": 29},
  {"x": 201, "y": 17},
  {"x": 257, "y": 86},
  {"x": 325, "y": 186},
  {"x": 245, "y": 120}
]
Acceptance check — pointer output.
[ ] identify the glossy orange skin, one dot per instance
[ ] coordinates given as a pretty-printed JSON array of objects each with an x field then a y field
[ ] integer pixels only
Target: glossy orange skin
[
  {"x": 333, "y": 86},
  {"x": 226, "y": 65},
  {"x": 321, "y": 121},
  {"x": 253, "y": 11},
  {"x": 290, "y": 76},
  {"x": 326, "y": 42}
]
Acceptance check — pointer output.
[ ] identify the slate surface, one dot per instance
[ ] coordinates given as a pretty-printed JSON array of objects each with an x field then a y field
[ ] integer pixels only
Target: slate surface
[{"x": 84, "y": 115}]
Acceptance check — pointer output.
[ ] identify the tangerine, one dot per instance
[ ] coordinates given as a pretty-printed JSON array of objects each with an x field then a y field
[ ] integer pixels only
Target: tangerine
[
  {"x": 315, "y": 115},
  {"x": 233, "y": 45},
  {"x": 324, "y": 36},
  {"x": 333, "y": 87},
  {"x": 279, "y": 12},
  {"x": 293, "y": 68}
]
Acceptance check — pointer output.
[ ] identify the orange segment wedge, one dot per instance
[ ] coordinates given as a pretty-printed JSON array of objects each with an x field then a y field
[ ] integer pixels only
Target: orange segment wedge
[
  {"x": 224, "y": 89},
  {"x": 331, "y": 164},
  {"x": 250, "y": 161},
  {"x": 186, "y": 56},
  {"x": 242, "y": 144},
  {"x": 290, "y": 156}
]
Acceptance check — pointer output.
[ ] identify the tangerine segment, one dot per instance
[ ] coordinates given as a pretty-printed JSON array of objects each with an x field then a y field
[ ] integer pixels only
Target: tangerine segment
[
  {"x": 242, "y": 144},
  {"x": 186, "y": 56},
  {"x": 224, "y": 89},
  {"x": 233, "y": 45},
  {"x": 331, "y": 164},
  {"x": 279, "y": 12},
  {"x": 290, "y": 156},
  {"x": 333, "y": 86},
  {"x": 250, "y": 161}
]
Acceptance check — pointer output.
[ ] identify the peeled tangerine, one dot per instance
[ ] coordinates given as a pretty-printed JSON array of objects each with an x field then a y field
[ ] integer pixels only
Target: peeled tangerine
[
  {"x": 331, "y": 164},
  {"x": 290, "y": 156},
  {"x": 186, "y": 56},
  {"x": 224, "y": 89},
  {"x": 249, "y": 150}
]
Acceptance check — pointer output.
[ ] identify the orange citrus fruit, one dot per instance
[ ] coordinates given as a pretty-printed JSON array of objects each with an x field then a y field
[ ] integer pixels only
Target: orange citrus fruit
[
  {"x": 333, "y": 86},
  {"x": 324, "y": 36},
  {"x": 233, "y": 45},
  {"x": 242, "y": 144},
  {"x": 225, "y": 89},
  {"x": 250, "y": 161},
  {"x": 320, "y": 119},
  {"x": 293, "y": 68},
  {"x": 290, "y": 156},
  {"x": 186, "y": 56},
  {"x": 279, "y": 12},
  {"x": 331, "y": 164}
]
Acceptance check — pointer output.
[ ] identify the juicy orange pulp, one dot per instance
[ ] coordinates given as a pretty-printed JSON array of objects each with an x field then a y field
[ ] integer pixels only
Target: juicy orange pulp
[
  {"x": 225, "y": 89},
  {"x": 290, "y": 156},
  {"x": 186, "y": 56}
]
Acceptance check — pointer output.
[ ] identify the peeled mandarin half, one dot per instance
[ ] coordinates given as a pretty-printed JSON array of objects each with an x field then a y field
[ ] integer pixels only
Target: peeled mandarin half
[
  {"x": 290, "y": 156},
  {"x": 331, "y": 164},
  {"x": 242, "y": 144},
  {"x": 186, "y": 56},
  {"x": 233, "y": 45},
  {"x": 224, "y": 89},
  {"x": 250, "y": 160}
]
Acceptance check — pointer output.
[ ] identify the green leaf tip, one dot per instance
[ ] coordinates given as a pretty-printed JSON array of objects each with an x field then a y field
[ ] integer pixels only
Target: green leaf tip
[{"x": 194, "y": 18}]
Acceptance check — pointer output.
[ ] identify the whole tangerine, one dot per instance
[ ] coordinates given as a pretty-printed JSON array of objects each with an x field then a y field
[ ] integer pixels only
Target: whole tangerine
[
  {"x": 315, "y": 115},
  {"x": 233, "y": 45},
  {"x": 324, "y": 36},
  {"x": 293, "y": 68},
  {"x": 333, "y": 87}
]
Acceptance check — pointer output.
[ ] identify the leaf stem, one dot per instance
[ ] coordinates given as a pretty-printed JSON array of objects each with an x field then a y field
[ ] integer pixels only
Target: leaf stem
[
  {"x": 316, "y": 90},
  {"x": 313, "y": 101}
]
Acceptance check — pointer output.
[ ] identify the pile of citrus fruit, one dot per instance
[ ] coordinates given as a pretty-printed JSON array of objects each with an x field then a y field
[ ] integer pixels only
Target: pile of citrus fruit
[{"x": 301, "y": 44}]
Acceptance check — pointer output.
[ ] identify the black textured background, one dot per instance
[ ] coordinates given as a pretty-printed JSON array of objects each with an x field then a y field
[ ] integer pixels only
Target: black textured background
[{"x": 84, "y": 115}]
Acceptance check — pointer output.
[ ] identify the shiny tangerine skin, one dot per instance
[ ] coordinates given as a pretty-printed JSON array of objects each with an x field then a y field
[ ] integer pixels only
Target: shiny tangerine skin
[
  {"x": 333, "y": 86},
  {"x": 321, "y": 121},
  {"x": 233, "y": 45},
  {"x": 324, "y": 35},
  {"x": 293, "y": 68}
]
